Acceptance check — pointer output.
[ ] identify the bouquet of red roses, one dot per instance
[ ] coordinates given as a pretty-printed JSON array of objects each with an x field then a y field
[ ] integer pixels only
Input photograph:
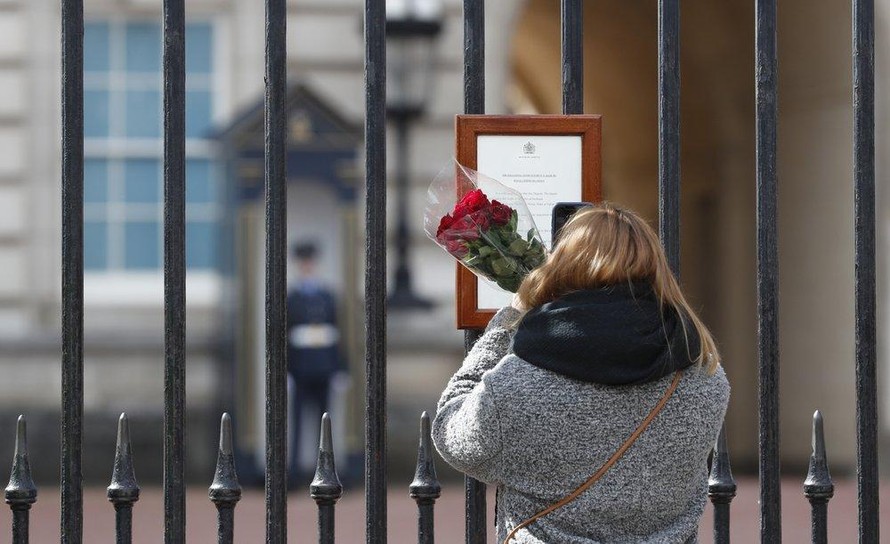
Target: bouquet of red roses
[{"x": 489, "y": 229}]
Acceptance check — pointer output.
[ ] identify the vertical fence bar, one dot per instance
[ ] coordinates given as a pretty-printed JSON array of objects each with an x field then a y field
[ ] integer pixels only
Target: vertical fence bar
[
  {"x": 375, "y": 271},
  {"x": 474, "y": 56},
  {"x": 425, "y": 488},
  {"x": 818, "y": 487},
  {"x": 72, "y": 272},
  {"x": 325, "y": 488},
  {"x": 225, "y": 491},
  {"x": 474, "y": 103},
  {"x": 21, "y": 492},
  {"x": 669, "y": 130},
  {"x": 123, "y": 490},
  {"x": 864, "y": 196},
  {"x": 276, "y": 271},
  {"x": 474, "y": 491},
  {"x": 721, "y": 488},
  {"x": 174, "y": 271},
  {"x": 766, "y": 81},
  {"x": 572, "y": 56}
]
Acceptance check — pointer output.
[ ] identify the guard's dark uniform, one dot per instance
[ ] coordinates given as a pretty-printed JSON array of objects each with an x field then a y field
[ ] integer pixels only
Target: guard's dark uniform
[{"x": 313, "y": 353}]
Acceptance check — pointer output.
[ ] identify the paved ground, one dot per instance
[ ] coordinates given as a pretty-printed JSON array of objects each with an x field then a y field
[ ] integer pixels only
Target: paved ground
[{"x": 148, "y": 517}]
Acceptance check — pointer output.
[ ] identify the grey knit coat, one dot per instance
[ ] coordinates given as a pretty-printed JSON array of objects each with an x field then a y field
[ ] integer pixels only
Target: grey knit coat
[{"x": 538, "y": 435}]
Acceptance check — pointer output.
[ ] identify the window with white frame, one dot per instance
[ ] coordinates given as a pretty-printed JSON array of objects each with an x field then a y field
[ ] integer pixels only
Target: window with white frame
[{"x": 123, "y": 147}]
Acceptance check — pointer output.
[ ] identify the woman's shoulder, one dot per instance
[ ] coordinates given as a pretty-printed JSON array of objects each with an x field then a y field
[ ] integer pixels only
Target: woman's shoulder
[
  {"x": 513, "y": 371},
  {"x": 704, "y": 386}
]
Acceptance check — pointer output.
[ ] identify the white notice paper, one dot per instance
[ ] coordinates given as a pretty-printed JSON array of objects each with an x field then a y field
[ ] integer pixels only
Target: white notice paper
[{"x": 544, "y": 169}]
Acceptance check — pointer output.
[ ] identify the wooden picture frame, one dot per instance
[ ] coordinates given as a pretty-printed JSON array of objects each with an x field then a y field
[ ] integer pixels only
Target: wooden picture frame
[{"x": 468, "y": 129}]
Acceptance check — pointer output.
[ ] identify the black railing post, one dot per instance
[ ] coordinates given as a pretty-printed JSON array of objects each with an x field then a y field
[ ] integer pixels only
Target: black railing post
[
  {"x": 325, "y": 488},
  {"x": 375, "y": 271},
  {"x": 123, "y": 490},
  {"x": 669, "y": 130},
  {"x": 21, "y": 492},
  {"x": 276, "y": 271},
  {"x": 71, "y": 526},
  {"x": 864, "y": 219},
  {"x": 474, "y": 103},
  {"x": 818, "y": 487},
  {"x": 425, "y": 488},
  {"x": 572, "y": 18},
  {"x": 174, "y": 271},
  {"x": 225, "y": 491},
  {"x": 474, "y": 491},
  {"x": 721, "y": 488},
  {"x": 766, "y": 81}
]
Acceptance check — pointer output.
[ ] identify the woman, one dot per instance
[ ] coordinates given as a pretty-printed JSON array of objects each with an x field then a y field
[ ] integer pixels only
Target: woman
[{"x": 547, "y": 396}]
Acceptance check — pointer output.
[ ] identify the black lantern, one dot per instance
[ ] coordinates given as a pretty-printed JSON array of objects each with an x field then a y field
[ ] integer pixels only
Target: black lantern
[{"x": 412, "y": 27}]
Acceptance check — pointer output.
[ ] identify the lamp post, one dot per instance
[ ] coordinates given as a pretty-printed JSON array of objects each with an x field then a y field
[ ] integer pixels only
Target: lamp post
[{"x": 412, "y": 27}]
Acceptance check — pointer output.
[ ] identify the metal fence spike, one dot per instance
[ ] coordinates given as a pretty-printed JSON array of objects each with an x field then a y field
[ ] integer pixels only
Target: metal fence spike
[
  {"x": 818, "y": 485},
  {"x": 21, "y": 492},
  {"x": 425, "y": 487},
  {"x": 325, "y": 487},
  {"x": 123, "y": 488},
  {"x": 721, "y": 484},
  {"x": 721, "y": 488},
  {"x": 225, "y": 489}
]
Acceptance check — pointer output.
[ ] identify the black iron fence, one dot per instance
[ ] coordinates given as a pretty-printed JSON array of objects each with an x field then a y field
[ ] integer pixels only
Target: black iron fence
[{"x": 225, "y": 491}]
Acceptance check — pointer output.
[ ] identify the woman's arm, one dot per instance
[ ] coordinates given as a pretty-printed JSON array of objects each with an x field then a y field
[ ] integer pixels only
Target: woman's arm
[{"x": 466, "y": 429}]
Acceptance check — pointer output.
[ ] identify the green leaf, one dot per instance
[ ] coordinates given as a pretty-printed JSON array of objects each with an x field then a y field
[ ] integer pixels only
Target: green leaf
[{"x": 518, "y": 247}]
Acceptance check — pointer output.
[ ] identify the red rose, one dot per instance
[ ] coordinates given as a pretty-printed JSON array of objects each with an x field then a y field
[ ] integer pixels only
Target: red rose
[
  {"x": 500, "y": 213},
  {"x": 460, "y": 210},
  {"x": 444, "y": 225},
  {"x": 473, "y": 201},
  {"x": 482, "y": 220},
  {"x": 465, "y": 228},
  {"x": 458, "y": 248}
]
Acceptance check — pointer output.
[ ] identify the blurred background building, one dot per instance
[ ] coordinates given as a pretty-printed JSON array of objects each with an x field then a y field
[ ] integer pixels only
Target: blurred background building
[{"x": 123, "y": 193}]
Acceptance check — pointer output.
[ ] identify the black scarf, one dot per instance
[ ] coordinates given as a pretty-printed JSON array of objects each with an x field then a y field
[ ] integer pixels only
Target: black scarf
[{"x": 616, "y": 335}]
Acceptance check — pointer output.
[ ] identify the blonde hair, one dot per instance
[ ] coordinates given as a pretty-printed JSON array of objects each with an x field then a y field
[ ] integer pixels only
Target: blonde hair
[{"x": 607, "y": 245}]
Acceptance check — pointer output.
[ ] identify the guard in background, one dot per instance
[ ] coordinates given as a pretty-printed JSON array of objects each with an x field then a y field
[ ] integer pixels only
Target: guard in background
[{"x": 313, "y": 356}]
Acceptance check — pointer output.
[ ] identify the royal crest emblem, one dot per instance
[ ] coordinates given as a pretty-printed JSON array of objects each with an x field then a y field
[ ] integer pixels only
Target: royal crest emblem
[{"x": 529, "y": 148}]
